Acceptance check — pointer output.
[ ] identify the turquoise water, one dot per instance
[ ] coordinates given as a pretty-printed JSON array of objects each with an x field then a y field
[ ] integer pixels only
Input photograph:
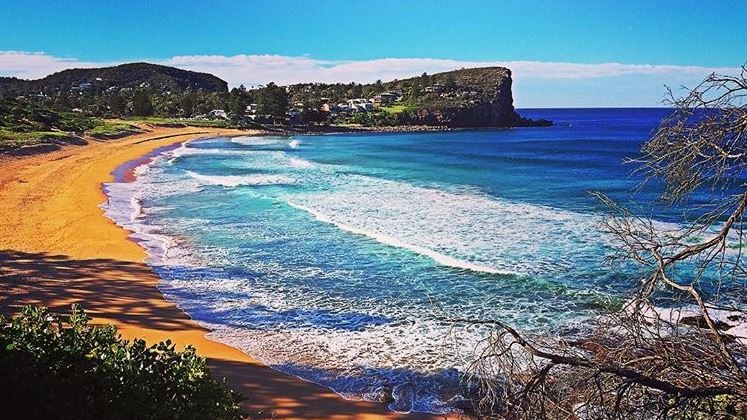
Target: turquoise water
[{"x": 341, "y": 258}]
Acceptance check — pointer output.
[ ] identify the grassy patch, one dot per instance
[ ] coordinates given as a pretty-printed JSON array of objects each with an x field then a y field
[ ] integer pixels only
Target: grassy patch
[
  {"x": 395, "y": 109},
  {"x": 180, "y": 121},
  {"x": 12, "y": 139},
  {"x": 111, "y": 129}
]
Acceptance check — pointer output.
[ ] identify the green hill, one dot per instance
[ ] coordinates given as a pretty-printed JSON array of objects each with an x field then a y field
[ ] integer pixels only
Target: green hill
[
  {"x": 131, "y": 75},
  {"x": 478, "y": 97}
]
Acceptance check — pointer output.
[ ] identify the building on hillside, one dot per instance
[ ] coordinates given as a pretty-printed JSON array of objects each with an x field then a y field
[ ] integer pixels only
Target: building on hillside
[
  {"x": 294, "y": 116},
  {"x": 82, "y": 87},
  {"x": 386, "y": 98},
  {"x": 218, "y": 113},
  {"x": 360, "y": 105}
]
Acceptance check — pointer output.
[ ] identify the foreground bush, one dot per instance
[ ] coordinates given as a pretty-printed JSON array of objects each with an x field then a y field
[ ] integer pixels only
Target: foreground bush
[{"x": 63, "y": 368}]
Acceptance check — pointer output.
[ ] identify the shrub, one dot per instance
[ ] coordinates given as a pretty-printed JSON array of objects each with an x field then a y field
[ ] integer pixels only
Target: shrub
[{"x": 62, "y": 367}]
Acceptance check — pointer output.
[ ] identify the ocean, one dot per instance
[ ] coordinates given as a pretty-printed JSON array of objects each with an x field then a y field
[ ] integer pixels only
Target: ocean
[{"x": 342, "y": 259}]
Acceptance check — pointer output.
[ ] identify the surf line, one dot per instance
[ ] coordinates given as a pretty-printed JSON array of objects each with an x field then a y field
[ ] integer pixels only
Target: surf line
[{"x": 391, "y": 241}]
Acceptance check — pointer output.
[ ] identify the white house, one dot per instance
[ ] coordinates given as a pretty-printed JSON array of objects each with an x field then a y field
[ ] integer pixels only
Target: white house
[
  {"x": 360, "y": 105},
  {"x": 218, "y": 113}
]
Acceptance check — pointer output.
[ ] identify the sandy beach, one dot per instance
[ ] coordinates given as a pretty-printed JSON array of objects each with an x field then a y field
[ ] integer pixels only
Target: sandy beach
[{"x": 58, "y": 248}]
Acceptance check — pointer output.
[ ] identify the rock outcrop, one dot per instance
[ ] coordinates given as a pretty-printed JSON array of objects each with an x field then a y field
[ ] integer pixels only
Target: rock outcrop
[{"x": 472, "y": 98}]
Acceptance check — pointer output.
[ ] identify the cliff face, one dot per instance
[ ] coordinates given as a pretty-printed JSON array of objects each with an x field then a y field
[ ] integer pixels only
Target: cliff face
[
  {"x": 496, "y": 110},
  {"x": 470, "y": 98}
]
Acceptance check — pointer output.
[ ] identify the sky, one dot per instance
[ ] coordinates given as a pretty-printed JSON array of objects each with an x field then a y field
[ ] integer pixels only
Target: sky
[{"x": 561, "y": 53}]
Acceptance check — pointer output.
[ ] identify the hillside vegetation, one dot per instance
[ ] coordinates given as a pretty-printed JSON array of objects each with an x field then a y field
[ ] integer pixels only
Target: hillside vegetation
[
  {"x": 462, "y": 98},
  {"x": 125, "y": 76},
  {"x": 24, "y": 124},
  {"x": 479, "y": 97}
]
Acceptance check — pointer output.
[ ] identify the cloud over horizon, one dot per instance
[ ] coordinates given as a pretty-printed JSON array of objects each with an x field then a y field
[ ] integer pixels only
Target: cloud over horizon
[{"x": 537, "y": 83}]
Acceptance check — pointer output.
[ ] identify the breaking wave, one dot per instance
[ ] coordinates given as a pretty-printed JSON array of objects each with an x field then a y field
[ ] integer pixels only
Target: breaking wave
[
  {"x": 236, "y": 180},
  {"x": 275, "y": 272},
  {"x": 465, "y": 230}
]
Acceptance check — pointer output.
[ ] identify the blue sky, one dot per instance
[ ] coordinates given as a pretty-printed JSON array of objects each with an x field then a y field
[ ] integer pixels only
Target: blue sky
[{"x": 652, "y": 42}]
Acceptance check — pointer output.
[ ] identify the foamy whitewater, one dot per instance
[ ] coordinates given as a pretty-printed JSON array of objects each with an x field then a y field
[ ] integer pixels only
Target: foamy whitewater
[{"x": 341, "y": 259}]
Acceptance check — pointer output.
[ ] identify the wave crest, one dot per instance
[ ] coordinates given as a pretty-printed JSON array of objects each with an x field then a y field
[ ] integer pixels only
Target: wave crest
[{"x": 238, "y": 180}]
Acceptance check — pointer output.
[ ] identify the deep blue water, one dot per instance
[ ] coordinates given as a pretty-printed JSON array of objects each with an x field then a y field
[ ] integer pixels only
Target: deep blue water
[{"x": 340, "y": 258}]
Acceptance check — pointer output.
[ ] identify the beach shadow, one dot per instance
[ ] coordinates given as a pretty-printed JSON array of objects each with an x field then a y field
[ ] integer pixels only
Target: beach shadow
[
  {"x": 309, "y": 401},
  {"x": 104, "y": 287},
  {"x": 124, "y": 292}
]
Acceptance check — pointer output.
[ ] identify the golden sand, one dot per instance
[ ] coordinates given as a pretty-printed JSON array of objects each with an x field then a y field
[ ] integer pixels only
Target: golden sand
[{"x": 58, "y": 248}]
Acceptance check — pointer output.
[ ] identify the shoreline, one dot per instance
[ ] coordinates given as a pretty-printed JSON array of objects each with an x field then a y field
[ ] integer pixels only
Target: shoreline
[
  {"x": 59, "y": 248},
  {"x": 321, "y": 130},
  {"x": 75, "y": 140}
]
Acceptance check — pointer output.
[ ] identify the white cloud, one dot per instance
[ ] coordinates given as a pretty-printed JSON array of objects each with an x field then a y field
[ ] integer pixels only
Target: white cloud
[
  {"x": 34, "y": 65},
  {"x": 284, "y": 70},
  {"x": 260, "y": 69}
]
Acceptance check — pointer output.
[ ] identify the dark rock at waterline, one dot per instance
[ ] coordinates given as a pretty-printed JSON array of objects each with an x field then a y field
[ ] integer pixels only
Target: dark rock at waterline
[{"x": 385, "y": 394}]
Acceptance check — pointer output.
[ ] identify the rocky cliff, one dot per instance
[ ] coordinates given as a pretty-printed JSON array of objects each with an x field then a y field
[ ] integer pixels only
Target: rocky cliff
[{"x": 470, "y": 98}]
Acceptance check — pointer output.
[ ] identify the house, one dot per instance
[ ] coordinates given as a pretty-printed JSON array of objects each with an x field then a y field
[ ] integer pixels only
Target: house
[
  {"x": 360, "y": 105},
  {"x": 250, "y": 110},
  {"x": 85, "y": 86},
  {"x": 294, "y": 116},
  {"x": 218, "y": 113},
  {"x": 386, "y": 98}
]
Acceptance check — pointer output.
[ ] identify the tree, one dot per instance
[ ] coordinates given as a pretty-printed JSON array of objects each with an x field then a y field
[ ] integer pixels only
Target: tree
[
  {"x": 141, "y": 105},
  {"x": 238, "y": 101},
  {"x": 450, "y": 84},
  {"x": 62, "y": 102},
  {"x": 272, "y": 100},
  {"x": 668, "y": 352},
  {"x": 311, "y": 115},
  {"x": 355, "y": 91},
  {"x": 116, "y": 104},
  {"x": 187, "y": 104}
]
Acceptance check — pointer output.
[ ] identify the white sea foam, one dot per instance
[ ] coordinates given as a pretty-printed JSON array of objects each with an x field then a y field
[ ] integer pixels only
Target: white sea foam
[
  {"x": 254, "y": 141},
  {"x": 459, "y": 229},
  {"x": 294, "y": 144},
  {"x": 300, "y": 163},
  {"x": 237, "y": 180},
  {"x": 124, "y": 207},
  {"x": 187, "y": 150},
  {"x": 351, "y": 341},
  {"x": 393, "y": 241},
  {"x": 463, "y": 229}
]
